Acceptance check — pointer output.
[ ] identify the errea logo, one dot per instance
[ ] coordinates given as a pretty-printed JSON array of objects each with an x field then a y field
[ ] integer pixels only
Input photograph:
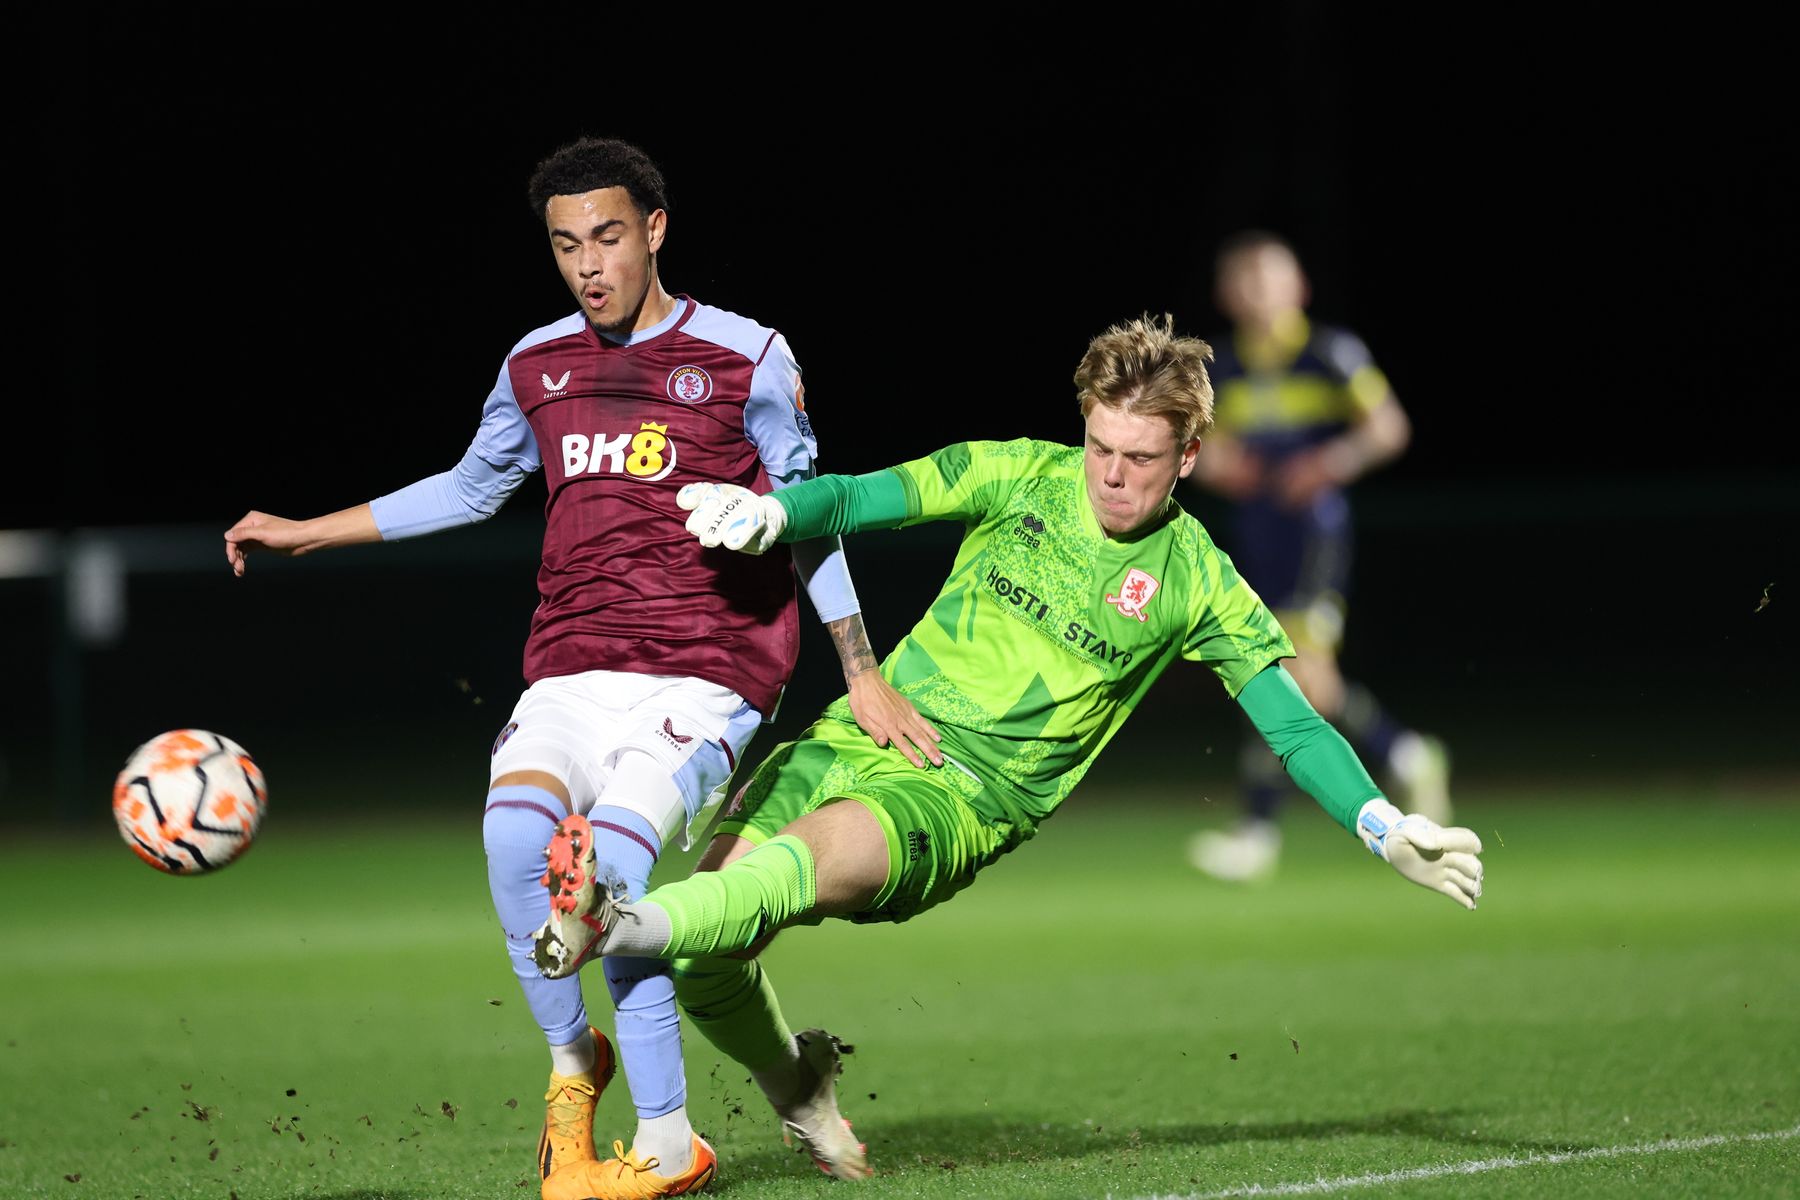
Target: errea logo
[
  {"x": 1029, "y": 530},
  {"x": 554, "y": 387},
  {"x": 649, "y": 454}
]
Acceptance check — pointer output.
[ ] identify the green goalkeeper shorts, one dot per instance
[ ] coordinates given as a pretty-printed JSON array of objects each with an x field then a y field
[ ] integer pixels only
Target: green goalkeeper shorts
[{"x": 937, "y": 841}]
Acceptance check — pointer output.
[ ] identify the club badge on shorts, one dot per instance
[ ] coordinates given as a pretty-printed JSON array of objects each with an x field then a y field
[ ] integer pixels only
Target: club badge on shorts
[{"x": 1134, "y": 594}]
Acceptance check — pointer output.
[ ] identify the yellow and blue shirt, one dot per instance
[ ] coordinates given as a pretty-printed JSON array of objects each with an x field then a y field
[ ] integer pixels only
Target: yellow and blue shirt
[{"x": 1279, "y": 396}]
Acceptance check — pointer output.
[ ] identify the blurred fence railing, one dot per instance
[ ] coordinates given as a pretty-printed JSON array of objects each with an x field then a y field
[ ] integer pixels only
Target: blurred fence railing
[{"x": 1496, "y": 602}]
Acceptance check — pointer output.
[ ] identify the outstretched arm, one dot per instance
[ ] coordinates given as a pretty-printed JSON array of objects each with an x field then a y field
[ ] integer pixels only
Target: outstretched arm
[
  {"x": 261, "y": 531},
  {"x": 488, "y": 473},
  {"x": 723, "y": 514},
  {"x": 1318, "y": 758},
  {"x": 471, "y": 491}
]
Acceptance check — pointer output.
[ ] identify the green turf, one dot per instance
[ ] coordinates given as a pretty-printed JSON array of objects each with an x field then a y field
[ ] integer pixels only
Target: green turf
[{"x": 332, "y": 1017}]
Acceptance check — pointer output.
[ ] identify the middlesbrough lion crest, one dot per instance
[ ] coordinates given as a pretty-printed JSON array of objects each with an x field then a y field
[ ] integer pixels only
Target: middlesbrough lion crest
[{"x": 1134, "y": 594}]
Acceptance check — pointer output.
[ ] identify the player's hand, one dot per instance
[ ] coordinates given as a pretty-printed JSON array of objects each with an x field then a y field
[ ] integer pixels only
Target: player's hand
[
  {"x": 1229, "y": 469},
  {"x": 260, "y": 531},
  {"x": 724, "y": 514},
  {"x": 890, "y": 719},
  {"x": 1432, "y": 856},
  {"x": 1302, "y": 477}
]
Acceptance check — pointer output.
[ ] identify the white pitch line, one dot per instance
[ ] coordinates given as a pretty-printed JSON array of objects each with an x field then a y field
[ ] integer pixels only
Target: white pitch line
[{"x": 1344, "y": 1183}]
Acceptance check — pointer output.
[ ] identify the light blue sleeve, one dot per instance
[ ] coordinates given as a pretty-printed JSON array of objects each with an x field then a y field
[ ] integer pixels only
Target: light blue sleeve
[
  {"x": 826, "y": 577},
  {"x": 775, "y": 418},
  {"x": 775, "y": 421},
  {"x": 503, "y": 453}
]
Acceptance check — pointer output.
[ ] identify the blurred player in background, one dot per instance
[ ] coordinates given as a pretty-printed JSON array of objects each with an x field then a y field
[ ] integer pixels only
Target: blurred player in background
[
  {"x": 1077, "y": 582},
  {"x": 1302, "y": 413},
  {"x": 651, "y": 661}
]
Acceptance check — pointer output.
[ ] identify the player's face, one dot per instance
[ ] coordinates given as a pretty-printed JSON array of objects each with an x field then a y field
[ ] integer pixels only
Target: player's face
[
  {"x": 605, "y": 250},
  {"x": 1131, "y": 464},
  {"x": 1260, "y": 284}
]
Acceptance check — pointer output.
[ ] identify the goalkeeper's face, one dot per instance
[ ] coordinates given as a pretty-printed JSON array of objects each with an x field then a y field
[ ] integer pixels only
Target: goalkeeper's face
[
  {"x": 1132, "y": 463},
  {"x": 605, "y": 249}
]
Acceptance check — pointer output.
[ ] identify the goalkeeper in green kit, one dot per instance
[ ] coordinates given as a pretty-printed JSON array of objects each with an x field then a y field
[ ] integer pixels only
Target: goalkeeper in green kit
[{"x": 1079, "y": 580}]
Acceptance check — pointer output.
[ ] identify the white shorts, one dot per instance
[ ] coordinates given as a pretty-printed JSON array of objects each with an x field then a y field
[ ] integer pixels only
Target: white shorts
[{"x": 579, "y": 727}]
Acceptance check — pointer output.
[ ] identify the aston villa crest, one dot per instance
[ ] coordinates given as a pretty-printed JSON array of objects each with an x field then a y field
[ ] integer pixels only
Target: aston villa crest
[{"x": 690, "y": 385}]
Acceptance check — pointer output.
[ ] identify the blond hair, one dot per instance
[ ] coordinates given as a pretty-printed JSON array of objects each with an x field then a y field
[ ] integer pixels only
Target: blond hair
[{"x": 1143, "y": 368}]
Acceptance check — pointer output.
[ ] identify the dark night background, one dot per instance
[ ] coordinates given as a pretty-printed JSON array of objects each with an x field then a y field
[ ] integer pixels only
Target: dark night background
[{"x": 279, "y": 258}]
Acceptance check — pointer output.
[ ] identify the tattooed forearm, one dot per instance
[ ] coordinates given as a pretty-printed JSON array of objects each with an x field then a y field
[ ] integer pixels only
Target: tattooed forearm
[{"x": 852, "y": 642}]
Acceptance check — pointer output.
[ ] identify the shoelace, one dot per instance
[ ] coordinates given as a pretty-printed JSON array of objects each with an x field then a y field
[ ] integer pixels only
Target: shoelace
[
  {"x": 567, "y": 1117},
  {"x": 630, "y": 1159}
]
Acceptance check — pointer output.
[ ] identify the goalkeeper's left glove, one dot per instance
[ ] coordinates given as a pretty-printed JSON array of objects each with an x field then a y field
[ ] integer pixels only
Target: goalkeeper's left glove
[
  {"x": 1430, "y": 855},
  {"x": 724, "y": 514}
]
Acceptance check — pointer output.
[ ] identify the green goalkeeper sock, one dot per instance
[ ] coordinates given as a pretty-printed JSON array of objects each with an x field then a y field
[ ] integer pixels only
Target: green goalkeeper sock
[
  {"x": 731, "y": 1001},
  {"x": 712, "y": 913}
]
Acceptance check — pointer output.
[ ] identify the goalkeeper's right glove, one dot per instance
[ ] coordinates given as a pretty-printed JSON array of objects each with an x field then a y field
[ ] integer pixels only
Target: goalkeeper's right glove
[
  {"x": 1430, "y": 855},
  {"x": 724, "y": 514}
]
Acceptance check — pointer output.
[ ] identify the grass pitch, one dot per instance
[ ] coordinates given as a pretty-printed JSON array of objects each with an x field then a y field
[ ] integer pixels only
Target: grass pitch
[{"x": 333, "y": 1017}]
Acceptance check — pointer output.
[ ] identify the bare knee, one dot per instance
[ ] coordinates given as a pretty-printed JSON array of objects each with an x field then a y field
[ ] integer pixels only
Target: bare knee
[
  {"x": 536, "y": 779},
  {"x": 724, "y": 849},
  {"x": 850, "y": 855}
]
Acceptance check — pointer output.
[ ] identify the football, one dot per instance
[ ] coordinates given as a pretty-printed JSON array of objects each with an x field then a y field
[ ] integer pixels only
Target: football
[{"x": 189, "y": 801}]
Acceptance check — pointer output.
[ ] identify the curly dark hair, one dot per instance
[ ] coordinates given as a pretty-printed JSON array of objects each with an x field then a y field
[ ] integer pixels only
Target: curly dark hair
[{"x": 593, "y": 163}]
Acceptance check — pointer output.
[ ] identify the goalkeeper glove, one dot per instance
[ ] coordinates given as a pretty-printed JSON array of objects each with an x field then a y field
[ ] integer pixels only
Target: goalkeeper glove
[
  {"x": 724, "y": 514},
  {"x": 1430, "y": 855}
]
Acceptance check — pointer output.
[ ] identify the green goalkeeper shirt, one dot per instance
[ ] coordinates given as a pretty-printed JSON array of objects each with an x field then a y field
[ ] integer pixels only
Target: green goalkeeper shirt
[{"x": 1047, "y": 633}]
